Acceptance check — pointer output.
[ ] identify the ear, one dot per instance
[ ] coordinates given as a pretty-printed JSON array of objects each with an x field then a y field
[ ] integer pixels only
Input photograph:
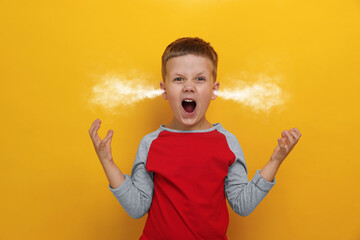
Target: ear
[
  {"x": 162, "y": 86},
  {"x": 215, "y": 90}
]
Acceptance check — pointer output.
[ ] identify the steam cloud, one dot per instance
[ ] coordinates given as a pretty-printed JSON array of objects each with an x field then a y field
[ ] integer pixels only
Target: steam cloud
[
  {"x": 117, "y": 91},
  {"x": 260, "y": 96}
]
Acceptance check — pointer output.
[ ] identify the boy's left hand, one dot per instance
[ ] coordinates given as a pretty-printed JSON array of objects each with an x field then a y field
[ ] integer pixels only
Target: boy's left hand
[{"x": 285, "y": 144}]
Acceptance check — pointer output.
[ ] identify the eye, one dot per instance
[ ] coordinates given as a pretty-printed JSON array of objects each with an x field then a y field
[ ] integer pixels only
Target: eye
[
  {"x": 200, "y": 79},
  {"x": 178, "y": 79}
]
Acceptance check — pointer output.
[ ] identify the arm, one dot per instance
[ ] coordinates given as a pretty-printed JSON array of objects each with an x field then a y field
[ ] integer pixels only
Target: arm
[
  {"x": 113, "y": 174},
  {"x": 282, "y": 150},
  {"x": 244, "y": 196},
  {"x": 133, "y": 193},
  {"x": 103, "y": 151}
]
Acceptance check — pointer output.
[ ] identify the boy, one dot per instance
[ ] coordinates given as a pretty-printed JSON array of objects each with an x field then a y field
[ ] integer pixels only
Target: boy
[{"x": 184, "y": 171}]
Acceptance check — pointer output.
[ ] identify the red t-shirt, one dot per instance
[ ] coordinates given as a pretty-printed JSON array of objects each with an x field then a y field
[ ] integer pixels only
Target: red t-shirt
[
  {"x": 189, "y": 200},
  {"x": 182, "y": 180}
]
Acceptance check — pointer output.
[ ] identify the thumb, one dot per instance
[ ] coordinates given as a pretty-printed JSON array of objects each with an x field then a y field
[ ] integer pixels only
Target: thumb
[
  {"x": 281, "y": 143},
  {"x": 108, "y": 137}
]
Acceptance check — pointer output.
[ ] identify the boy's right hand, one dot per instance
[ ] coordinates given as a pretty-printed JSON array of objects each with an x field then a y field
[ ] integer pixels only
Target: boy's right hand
[{"x": 102, "y": 147}]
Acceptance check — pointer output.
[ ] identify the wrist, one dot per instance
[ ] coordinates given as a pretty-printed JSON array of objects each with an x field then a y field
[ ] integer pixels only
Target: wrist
[
  {"x": 274, "y": 161},
  {"x": 269, "y": 171},
  {"x": 107, "y": 162},
  {"x": 275, "y": 158}
]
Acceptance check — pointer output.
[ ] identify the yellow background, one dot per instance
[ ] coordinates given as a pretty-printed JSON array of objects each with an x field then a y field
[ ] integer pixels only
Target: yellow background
[{"x": 54, "y": 52}]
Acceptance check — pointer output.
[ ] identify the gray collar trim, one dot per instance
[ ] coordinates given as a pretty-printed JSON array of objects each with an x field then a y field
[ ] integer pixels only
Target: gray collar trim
[{"x": 215, "y": 126}]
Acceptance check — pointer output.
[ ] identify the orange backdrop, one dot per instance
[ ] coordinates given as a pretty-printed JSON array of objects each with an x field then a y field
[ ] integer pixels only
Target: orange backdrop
[{"x": 53, "y": 53}]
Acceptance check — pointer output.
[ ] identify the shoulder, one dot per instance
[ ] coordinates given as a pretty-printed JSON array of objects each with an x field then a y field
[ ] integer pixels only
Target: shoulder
[
  {"x": 232, "y": 142},
  {"x": 149, "y": 138},
  {"x": 144, "y": 146},
  {"x": 231, "y": 138}
]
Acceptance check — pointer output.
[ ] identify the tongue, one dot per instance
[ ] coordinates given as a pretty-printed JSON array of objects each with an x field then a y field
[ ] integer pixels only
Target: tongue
[{"x": 189, "y": 106}]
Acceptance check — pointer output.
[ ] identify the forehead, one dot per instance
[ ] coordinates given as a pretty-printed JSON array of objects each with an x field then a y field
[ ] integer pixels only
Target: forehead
[{"x": 189, "y": 64}]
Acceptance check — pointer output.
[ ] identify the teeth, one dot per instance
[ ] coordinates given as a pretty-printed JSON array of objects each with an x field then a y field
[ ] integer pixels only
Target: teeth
[{"x": 188, "y": 100}]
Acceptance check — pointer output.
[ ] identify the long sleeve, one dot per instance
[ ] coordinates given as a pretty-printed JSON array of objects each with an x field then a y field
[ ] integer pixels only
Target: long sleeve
[
  {"x": 136, "y": 192},
  {"x": 243, "y": 195}
]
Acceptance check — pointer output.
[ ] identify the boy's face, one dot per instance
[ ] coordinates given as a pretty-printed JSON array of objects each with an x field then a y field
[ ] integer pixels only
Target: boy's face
[{"x": 189, "y": 87}]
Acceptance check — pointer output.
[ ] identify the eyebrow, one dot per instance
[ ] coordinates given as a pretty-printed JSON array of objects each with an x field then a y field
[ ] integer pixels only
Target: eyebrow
[
  {"x": 200, "y": 73},
  {"x": 178, "y": 74}
]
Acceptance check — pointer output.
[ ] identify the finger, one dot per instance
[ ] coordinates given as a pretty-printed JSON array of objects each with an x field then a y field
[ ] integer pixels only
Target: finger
[
  {"x": 297, "y": 131},
  {"x": 290, "y": 137},
  {"x": 281, "y": 142},
  {"x": 293, "y": 134},
  {"x": 108, "y": 136},
  {"x": 91, "y": 129},
  {"x": 94, "y": 130},
  {"x": 96, "y": 122},
  {"x": 286, "y": 134},
  {"x": 94, "y": 133},
  {"x": 285, "y": 137},
  {"x": 296, "y": 134}
]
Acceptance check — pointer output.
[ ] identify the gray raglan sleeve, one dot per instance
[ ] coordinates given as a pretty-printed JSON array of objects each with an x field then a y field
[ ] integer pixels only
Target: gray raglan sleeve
[
  {"x": 136, "y": 192},
  {"x": 243, "y": 195}
]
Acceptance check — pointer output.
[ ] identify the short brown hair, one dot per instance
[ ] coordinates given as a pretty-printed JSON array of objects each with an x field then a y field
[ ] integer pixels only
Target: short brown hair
[{"x": 189, "y": 45}]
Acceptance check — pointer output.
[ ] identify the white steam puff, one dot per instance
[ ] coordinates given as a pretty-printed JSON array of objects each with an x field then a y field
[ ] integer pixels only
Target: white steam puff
[
  {"x": 117, "y": 90},
  {"x": 261, "y": 96}
]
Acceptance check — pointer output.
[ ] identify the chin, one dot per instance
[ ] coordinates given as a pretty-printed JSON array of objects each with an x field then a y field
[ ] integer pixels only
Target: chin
[{"x": 191, "y": 123}]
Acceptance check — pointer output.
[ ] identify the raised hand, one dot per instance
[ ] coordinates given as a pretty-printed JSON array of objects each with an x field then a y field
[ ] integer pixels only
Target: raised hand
[
  {"x": 285, "y": 144},
  {"x": 102, "y": 147}
]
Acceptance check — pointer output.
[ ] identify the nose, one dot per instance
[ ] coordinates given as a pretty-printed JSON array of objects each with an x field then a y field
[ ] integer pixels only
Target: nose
[{"x": 189, "y": 86}]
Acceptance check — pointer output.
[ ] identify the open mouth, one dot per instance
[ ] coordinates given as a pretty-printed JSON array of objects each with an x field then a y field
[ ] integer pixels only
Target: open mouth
[{"x": 189, "y": 105}]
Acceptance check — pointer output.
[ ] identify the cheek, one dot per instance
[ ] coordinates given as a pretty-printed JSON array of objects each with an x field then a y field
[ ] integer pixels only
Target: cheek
[
  {"x": 206, "y": 94},
  {"x": 172, "y": 98}
]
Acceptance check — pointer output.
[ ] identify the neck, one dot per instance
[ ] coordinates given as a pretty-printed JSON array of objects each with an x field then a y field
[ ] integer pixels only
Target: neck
[{"x": 205, "y": 124}]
